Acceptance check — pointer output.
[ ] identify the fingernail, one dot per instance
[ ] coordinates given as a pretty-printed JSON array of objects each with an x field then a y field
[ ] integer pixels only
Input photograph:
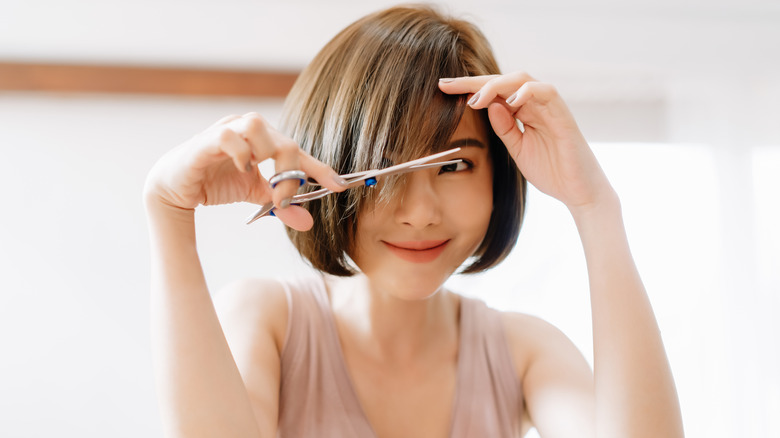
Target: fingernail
[
  {"x": 473, "y": 99},
  {"x": 512, "y": 98},
  {"x": 339, "y": 180},
  {"x": 285, "y": 202},
  {"x": 446, "y": 80}
]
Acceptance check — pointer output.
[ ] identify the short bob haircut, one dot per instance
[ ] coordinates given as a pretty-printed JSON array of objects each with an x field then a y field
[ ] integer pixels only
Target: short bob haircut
[{"x": 372, "y": 93}]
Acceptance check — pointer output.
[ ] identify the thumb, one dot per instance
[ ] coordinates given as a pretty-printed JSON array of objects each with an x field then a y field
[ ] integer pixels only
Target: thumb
[
  {"x": 505, "y": 126},
  {"x": 295, "y": 217}
]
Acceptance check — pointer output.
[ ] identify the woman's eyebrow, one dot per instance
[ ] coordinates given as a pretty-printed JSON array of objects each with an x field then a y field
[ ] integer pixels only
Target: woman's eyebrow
[{"x": 463, "y": 142}]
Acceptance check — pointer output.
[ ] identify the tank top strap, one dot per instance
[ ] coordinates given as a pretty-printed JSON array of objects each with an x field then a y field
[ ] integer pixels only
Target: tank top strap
[
  {"x": 317, "y": 397},
  {"x": 489, "y": 399}
]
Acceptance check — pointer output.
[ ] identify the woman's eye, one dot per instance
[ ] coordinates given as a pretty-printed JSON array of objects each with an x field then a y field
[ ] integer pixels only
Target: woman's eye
[{"x": 456, "y": 167}]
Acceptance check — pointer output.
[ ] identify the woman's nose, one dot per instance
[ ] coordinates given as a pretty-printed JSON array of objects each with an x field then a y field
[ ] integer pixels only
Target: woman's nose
[{"x": 419, "y": 204}]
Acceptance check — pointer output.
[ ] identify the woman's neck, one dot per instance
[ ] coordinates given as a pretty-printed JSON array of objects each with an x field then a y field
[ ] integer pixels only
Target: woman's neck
[{"x": 390, "y": 329}]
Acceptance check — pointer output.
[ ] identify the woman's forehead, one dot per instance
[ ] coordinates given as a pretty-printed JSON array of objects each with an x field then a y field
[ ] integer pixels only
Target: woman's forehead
[{"x": 472, "y": 125}]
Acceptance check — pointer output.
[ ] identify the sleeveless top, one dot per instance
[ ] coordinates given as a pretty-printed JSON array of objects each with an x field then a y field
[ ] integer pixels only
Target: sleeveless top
[{"x": 318, "y": 399}]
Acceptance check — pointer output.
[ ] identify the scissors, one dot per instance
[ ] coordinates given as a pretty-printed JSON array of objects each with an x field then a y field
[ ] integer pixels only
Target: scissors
[{"x": 367, "y": 177}]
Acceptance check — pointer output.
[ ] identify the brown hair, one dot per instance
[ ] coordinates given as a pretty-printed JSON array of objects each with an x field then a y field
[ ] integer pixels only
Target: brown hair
[{"x": 372, "y": 93}]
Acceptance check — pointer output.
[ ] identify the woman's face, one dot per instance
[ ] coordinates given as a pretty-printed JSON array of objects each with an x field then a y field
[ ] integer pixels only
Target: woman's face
[{"x": 409, "y": 246}]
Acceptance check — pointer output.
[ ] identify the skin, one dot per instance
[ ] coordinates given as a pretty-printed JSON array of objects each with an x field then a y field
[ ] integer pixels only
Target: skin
[{"x": 223, "y": 379}]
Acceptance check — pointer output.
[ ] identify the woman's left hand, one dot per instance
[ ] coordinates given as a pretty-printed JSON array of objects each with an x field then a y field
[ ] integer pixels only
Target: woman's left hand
[{"x": 550, "y": 151}]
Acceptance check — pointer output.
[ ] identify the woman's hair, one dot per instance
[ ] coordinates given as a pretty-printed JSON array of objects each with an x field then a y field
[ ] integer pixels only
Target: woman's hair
[{"x": 371, "y": 95}]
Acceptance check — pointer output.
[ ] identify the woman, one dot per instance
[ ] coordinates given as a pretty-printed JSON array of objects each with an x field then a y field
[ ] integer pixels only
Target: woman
[{"x": 376, "y": 346}]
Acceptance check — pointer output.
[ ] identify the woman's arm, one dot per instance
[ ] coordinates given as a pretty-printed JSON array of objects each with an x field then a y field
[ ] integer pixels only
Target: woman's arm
[
  {"x": 201, "y": 392},
  {"x": 634, "y": 393},
  {"x": 199, "y": 388}
]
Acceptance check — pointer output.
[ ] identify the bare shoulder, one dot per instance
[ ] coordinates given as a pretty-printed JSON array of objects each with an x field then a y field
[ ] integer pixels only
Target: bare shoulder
[
  {"x": 529, "y": 336},
  {"x": 556, "y": 379},
  {"x": 251, "y": 309},
  {"x": 532, "y": 339}
]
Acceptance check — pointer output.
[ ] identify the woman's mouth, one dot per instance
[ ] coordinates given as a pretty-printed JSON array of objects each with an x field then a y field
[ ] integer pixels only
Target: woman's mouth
[{"x": 418, "y": 251}]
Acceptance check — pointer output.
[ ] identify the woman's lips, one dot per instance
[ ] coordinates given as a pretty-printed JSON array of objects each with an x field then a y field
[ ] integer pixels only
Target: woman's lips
[{"x": 419, "y": 251}]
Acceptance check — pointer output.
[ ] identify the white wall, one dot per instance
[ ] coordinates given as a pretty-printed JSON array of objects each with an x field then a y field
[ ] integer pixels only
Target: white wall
[
  {"x": 74, "y": 257},
  {"x": 699, "y": 89}
]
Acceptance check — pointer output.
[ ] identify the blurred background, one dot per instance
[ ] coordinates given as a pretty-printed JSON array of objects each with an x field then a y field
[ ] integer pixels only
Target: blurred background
[{"x": 680, "y": 100}]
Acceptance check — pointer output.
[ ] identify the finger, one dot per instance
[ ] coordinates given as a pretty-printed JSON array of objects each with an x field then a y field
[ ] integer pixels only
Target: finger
[
  {"x": 486, "y": 89},
  {"x": 267, "y": 142},
  {"x": 500, "y": 88},
  {"x": 260, "y": 135},
  {"x": 527, "y": 102},
  {"x": 464, "y": 84},
  {"x": 505, "y": 126},
  {"x": 286, "y": 157},
  {"x": 322, "y": 173},
  {"x": 232, "y": 144},
  {"x": 295, "y": 217},
  {"x": 475, "y": 84},
  {"x": 257, "y": 133},
  {"x": 538, "y": 91}
]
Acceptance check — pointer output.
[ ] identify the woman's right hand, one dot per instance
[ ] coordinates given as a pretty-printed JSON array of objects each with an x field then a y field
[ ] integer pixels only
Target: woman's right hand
[{"x": 219, "y": 166}]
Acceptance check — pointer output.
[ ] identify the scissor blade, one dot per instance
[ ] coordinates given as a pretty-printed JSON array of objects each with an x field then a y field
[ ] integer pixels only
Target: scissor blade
[
  {"x": 352, "y": 178},
  {"x": 403, "y": 167},
  {"x": 264, "y": 210}
]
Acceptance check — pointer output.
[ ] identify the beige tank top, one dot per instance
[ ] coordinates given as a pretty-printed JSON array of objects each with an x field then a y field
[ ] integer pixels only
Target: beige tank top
[{"x": 317, "y": 398}]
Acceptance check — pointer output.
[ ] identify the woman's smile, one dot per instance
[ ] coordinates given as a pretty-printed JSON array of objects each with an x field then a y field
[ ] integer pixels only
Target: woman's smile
[{"x": 418, "y": 251}]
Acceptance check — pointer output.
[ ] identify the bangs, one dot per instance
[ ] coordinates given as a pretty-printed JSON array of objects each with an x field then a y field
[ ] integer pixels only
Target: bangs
[
  {"x": 382, "y": 104},
  {"x": 404, "y": 115}
]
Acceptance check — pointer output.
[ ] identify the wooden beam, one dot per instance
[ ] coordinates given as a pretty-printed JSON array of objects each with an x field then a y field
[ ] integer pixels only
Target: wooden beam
[{"x": 143, "y": 80}]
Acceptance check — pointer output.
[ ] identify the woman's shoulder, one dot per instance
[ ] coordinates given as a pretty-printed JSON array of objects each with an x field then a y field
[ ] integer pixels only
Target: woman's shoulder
[
  {"x": 525, "y": 326},
  {"x": 253, "y": 308},
  {"x": 531, "y": 338}
]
